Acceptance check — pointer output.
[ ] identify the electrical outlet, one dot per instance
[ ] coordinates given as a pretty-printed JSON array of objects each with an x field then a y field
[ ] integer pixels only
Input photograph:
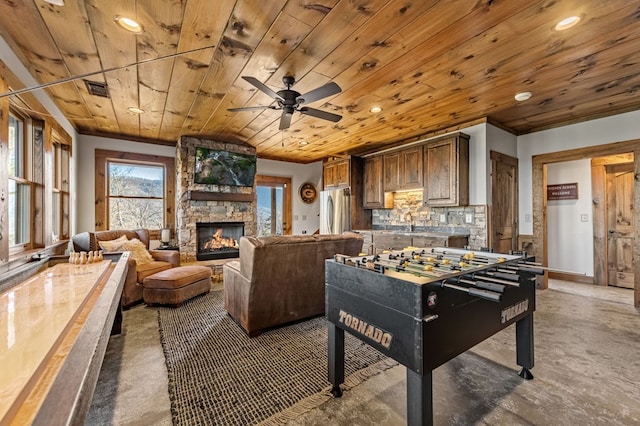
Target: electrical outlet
[
  {"x": 295, "y": 217},
  {"x": 304, "y": 217},
  {"x": 443, "y": 218},
  {"x": 468, "y": 218},
  {"x": 584, "y": 217}
]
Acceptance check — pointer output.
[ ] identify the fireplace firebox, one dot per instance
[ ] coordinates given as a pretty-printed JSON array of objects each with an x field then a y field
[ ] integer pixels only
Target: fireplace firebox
[{"x": 218, "y": 240}]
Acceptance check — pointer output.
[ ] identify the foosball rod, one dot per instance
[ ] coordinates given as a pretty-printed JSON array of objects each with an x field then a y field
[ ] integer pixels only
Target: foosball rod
[
  {"x": 483, "y": 294},
  {"x": 536, "y": 265}
]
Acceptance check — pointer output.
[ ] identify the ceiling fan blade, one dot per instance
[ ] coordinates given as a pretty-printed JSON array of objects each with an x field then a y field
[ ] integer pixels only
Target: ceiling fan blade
[
  {"x": 319, "y": 93},
  {"x": 253, "y": 108},
  {"x": 285, "y": 120},
  {"x": 320, "y": 114},
  {"x": 262, "y": 87}
]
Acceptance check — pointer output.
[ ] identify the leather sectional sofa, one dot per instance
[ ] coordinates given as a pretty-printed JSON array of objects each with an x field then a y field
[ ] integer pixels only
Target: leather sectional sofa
[
  {"x": 278, "y": 280},
  {"x": 162, "y": 259}
]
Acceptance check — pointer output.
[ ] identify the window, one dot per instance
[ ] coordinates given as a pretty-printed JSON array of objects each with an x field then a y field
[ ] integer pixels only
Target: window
[
  {"x": 136, "y": 195},
  {"x": 60, "y": 191},
  {"x": 19, "y": 188},
  {"x": 137, "y": 189},
  {"x": 273, "y": 205}
]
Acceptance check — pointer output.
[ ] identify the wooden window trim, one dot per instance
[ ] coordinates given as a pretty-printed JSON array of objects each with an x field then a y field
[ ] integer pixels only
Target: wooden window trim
[{"x": 102, "y": 157}]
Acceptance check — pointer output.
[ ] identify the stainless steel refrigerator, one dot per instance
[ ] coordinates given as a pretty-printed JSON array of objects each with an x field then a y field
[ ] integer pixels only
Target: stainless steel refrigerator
[{"x": 335, "y": 211}]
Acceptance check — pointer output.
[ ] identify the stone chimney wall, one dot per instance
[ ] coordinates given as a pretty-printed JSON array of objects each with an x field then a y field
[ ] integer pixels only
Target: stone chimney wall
[{"x": 215, "y": 207}]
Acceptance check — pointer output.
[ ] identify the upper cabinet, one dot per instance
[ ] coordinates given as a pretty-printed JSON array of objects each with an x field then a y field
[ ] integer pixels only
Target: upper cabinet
[
  {"x": 373, "y": 192},
  {"x": 403, "y": 169},
  {"x": 336, "y": 173},
  {"x": 446, "y": 171}
]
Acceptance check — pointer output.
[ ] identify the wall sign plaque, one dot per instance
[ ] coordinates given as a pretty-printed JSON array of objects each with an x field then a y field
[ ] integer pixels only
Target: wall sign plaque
[{"x": 562, "y": 191}]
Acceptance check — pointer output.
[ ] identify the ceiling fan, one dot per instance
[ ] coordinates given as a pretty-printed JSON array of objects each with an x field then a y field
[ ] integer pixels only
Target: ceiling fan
[{"x": 289, "y": 100}]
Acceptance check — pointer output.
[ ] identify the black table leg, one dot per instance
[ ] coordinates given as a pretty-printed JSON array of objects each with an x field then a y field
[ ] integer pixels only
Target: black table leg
[
  {"x": 524, "y": 346},
  {"x": 419, "y": 399},
  {"x": 336, "y": 358}
]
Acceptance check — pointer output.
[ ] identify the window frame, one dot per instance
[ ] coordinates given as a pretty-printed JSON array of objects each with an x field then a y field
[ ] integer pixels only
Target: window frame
[
  {"x": 22, "y": 179},
  {"x": 102, "y": 160}
]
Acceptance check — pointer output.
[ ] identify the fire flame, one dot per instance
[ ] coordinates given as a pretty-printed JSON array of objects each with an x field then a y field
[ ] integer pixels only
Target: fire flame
[{"x": 219, "y": 241}]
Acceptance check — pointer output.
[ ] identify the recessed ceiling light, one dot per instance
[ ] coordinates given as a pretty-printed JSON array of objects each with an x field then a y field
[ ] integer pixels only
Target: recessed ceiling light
[
  {"x": 128, "y": 24},
  {"x": 135, "y": 110},
  {"x": 523, "y": 96},
  {"x": 303, "y": 143},
  {"x": 56, "y": 2},
  {"x": 567, "y": 23},
  {"x": 375, "y": 109}
]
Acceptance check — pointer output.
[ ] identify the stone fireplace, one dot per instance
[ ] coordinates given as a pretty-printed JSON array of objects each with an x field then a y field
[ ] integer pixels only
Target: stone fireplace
[
  {"x": 207, "y": 203},
  {"x": 218, "y": 240}
]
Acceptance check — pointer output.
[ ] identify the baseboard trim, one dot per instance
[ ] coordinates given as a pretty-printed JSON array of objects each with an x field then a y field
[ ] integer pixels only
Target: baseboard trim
[{"x": 583, "y": 279}]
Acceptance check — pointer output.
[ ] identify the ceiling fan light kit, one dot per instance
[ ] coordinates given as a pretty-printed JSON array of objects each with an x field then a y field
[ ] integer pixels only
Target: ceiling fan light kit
[{"x": 290, "y": 101}]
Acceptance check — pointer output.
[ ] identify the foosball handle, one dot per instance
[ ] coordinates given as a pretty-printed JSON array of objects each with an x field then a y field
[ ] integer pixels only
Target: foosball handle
[
  {"x": 525, "y": 374},
  {"x": 336, "y": 391}
]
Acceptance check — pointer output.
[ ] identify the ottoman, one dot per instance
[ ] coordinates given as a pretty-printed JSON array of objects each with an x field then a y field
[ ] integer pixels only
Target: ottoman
[{"x": 176, "y": 285}]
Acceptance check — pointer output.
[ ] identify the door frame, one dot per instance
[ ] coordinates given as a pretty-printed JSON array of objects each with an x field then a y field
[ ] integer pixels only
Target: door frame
[
  {"x": 539, "y": 195},
  {"x": 278, "y": 181}
]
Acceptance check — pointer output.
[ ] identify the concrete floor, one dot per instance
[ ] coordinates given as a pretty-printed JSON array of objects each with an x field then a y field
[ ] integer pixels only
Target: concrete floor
[{"x": 587, "y": 359}]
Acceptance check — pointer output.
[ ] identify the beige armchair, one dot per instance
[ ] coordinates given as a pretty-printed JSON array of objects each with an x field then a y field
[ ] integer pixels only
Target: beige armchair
[
  {"x": 162, "y": 259},
  {"x": 278, "y": 280}
]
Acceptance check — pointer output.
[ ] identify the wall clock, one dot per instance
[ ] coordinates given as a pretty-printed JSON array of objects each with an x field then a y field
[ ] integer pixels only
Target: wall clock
[{"x": 308, "y": 193}]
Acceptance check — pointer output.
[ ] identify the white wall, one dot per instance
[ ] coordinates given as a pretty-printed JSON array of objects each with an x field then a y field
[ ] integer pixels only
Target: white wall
[
  {"x": 477, "y": 163},
  {"x": 618, "y": 128},
  {"x": 305, "y": 216},
  {"x": 569, "y": 222},
  {"x": 572, "y": 245},
  {"x": 85, "y": 154}
]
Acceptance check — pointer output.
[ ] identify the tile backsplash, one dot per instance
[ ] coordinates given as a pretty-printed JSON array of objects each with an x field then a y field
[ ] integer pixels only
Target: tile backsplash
[{"x": 408, "y": 213}]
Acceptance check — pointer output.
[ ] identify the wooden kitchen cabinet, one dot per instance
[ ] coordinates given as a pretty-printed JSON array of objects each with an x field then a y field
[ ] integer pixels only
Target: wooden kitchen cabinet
[
  {"x": 411, "y": 168},
  {"x": 446, "y": 171},
  {"x": 336, "y": 174},
  {"x": 373, "y": 192},
  {"x": 403, "y": 169},
  {"x": 391, "y": 164}
]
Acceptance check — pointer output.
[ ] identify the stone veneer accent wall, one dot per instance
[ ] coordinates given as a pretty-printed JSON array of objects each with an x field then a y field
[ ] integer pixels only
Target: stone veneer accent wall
[
  {"x": 189, "y": 212},
  {"x": 409, "y": 203}
]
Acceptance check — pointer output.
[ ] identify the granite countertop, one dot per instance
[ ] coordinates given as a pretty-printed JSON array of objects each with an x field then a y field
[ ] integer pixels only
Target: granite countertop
[{"x": 437, "y": 232}]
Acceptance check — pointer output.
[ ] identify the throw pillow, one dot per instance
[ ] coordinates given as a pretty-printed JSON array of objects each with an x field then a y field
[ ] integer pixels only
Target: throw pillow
[
  {"x": 138, "y": 251},
  {"x": 113, "y": 245}
]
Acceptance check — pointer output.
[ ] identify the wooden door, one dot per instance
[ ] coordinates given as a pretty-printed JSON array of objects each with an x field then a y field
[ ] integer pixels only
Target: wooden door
[
  {"x": 621, "y": 225},
  {"x": 504, "y": 196}
]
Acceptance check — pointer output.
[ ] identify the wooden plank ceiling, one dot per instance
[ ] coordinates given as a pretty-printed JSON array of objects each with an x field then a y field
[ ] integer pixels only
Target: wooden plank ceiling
[{"x": 428, "y": 64}]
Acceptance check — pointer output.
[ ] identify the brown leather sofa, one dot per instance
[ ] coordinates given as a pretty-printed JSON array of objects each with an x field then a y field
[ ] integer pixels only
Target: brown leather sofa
[
  {"x": 132, "y": 291},
  {"x": 278, "y": 280}
]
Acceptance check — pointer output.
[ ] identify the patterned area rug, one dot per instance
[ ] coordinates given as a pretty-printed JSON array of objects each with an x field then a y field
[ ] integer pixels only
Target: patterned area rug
[{"x": 217, "y": 375}]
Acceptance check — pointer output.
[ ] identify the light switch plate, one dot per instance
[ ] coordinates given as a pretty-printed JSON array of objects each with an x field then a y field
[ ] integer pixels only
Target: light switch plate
[
  {"x": 468, "y": 218},
  {"x": 443, "y": 218},
  {"x": 584, "y": 217}
]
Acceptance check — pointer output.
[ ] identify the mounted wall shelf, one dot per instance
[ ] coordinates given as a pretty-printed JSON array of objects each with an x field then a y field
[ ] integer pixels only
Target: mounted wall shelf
[{"x": 219, "y": 196}]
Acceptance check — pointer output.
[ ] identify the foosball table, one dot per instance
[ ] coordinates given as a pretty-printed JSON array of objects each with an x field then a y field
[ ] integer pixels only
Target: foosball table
[{"x": 424, "y": 306}]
